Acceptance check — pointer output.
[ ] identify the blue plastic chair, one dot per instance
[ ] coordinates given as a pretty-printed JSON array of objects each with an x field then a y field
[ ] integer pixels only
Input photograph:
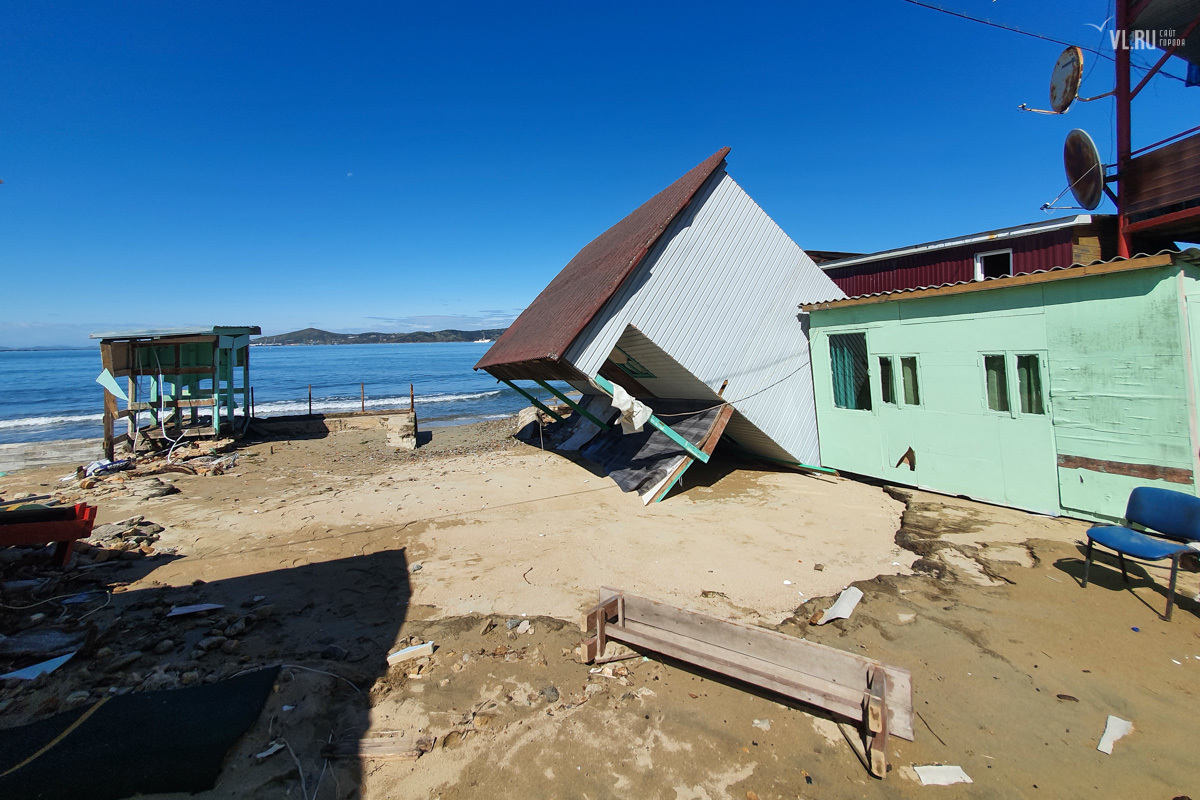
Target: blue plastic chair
[{"x": 1173, "y": 519}]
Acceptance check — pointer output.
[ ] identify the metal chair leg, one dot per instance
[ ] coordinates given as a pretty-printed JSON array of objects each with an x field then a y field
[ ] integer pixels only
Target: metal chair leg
[
  {"x": 1171, "y": 590},
  {"x": 1087, "y": 563},
  {"x": 1124, "y": 574}
]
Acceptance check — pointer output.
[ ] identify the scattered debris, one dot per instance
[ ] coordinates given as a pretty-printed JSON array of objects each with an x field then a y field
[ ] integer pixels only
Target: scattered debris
[
  {"x": 842, "y": 608},
  {"x": 391, "y": 748},
  {"x": 270, "y": 751},
  {"x": 37, "y": 670},
  {"x": 198, "y": 608},
  {"x": 1115, "y": 728},
  {"x": 762, "y": 724},
  {"x": 409, "y": 653},
  {"x": 938, "y": 775}
]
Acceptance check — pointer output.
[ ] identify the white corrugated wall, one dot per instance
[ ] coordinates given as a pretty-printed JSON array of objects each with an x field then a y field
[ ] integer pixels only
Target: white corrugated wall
[{"x": 719, "y": 294}]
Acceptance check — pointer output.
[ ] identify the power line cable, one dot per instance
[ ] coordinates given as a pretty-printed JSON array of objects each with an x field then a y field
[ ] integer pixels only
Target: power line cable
[{"x": 1032, "y": 35}]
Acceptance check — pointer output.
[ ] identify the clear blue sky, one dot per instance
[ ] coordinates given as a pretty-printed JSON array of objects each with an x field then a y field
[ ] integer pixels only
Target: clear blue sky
[{"x": 394, "y": 166}]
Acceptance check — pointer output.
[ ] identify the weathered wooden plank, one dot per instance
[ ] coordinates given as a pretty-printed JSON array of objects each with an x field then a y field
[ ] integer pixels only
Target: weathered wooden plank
[
  {"x": 172, "y": 403},
  {"x": 777, "y": 649},
  {"x": 405, "y": 748},
  {"x": 808, "y": 690},
  {"x": 823, "y": 662},
  {"x": 1146, "y": 471},
  {"x": 849, "y": 695}
]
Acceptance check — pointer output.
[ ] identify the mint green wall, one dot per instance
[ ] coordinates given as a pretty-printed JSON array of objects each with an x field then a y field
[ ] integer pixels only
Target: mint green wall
[{"x": 1115, "y": 380}]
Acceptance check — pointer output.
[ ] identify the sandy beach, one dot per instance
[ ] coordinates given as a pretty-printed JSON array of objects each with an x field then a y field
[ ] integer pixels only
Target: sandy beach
[{"x": 328, "y": 553}]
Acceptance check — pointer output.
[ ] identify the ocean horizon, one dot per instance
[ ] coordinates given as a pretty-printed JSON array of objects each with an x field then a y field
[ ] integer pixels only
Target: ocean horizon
[{"x": 50, "y": 395}]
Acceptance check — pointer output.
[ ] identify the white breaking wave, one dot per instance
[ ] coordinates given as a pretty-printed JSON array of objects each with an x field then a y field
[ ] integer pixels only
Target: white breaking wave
[
  {"x": 284, "y": 407},
  {"x": 47, "y": 422},
  {"x": 277, "y": 408}
]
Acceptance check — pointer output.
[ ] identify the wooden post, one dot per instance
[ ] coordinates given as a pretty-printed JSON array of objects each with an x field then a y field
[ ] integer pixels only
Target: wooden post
[
  {"x": 251, "y": 402},
  {"x": 110, "y": 400},
  {"x": 310, "y": 399},
  {"x": 216, "y": 393},
  {"x": 362, "y": 391},
  {"x": 412, "y": 400}
]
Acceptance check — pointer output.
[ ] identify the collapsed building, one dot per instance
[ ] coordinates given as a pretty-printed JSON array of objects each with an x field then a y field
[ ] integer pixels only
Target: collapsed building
[{"x": 686, "y": 311}]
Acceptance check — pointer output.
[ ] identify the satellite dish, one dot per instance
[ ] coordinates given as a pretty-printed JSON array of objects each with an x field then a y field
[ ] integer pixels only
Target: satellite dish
[
  {"x": 1064, "y": 81},
  {"x": 1085, "y": 173}
]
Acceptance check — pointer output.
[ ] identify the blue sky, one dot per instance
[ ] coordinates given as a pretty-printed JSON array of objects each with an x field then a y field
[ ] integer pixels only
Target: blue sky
[{"x": 395, "y": 166}]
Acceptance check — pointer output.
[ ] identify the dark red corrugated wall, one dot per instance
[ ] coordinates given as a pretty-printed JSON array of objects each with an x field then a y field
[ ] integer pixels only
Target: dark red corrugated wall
[{"x": 953, "y": 265}]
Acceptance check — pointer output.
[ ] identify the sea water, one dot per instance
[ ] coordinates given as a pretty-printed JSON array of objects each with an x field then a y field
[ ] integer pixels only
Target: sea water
[{"x": 53, "y": 394}]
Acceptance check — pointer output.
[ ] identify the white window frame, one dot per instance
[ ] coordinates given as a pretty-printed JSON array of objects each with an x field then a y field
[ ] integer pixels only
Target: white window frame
[{"x": 979, "y": 261}]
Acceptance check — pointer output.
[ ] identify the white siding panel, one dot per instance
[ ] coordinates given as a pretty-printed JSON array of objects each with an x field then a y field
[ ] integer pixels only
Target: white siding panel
[{"x": 718, "y": 294}]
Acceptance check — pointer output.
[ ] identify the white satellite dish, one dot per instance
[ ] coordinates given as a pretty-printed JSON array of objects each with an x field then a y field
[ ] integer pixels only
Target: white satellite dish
[{"x": 1065, "y": 80}]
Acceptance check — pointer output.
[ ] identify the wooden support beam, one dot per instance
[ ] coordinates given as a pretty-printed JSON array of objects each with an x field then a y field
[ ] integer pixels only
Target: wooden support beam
[
  {"x": 708, "y": 445},
  {"x": 110, "y": 401},
  {"x": 578, "y": 408},
  {"x": 531, "y": 398},
  {"x": 659, "y": 425},
  {"x": 876, "y": 723}
]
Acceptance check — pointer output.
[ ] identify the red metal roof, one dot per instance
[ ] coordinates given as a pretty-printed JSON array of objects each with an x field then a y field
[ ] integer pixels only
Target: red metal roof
[
  {"x": 1118, "y": 264},
  {"x": 533, "y": 346}
]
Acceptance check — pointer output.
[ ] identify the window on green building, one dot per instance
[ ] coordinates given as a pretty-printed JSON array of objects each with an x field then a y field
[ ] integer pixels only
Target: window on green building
[
  {"x": 848, "y": 359},
  {"x": 1029, "y": 384},
  {"x": 887, "y": 380},
  {"x": 995, "y": 370},
  {"x": 908, "y": 376}
]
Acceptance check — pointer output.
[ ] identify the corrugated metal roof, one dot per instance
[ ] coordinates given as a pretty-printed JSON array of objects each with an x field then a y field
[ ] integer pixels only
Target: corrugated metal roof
[
  {"x": 1031, "y": 252},
  {"x": 997, "y": 235},
  {"x": 154, "y": 333},
  {"x": 534, "y": 344},
  {"x": 1140, "y": 261},
  {"x": 717, "y": 297}
]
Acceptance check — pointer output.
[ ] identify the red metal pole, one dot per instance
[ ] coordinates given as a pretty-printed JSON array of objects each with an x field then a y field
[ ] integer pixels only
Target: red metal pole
[{"x": 1124, "y": 125}]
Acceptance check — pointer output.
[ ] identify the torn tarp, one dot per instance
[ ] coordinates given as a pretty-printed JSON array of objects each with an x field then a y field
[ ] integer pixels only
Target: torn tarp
[
  {"x": 639, "y": 461},
  {"x": 634, "y": 413}
]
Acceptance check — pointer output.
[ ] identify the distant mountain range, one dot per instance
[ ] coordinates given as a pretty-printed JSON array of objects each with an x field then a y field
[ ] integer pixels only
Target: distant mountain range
[{"x": 318, "y": 336}]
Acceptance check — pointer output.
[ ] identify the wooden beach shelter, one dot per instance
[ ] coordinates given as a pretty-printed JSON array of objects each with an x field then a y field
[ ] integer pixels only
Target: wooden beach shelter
[
  {"x": 687, "y": 305},
  {"x": 171, "y": 376}
]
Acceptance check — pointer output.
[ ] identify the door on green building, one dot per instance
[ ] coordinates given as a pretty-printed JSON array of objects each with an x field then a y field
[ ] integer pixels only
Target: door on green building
[{"x": 1016, "y": 393}]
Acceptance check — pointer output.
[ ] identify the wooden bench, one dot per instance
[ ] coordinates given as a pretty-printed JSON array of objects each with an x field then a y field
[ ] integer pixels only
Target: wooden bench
[
  {"x": 875, "y": 696},
  {"x": 42, "y": 525}
]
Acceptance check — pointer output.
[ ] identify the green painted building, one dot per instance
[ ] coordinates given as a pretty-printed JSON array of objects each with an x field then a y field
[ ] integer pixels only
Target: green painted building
[{"x": 1057, "y": 392}]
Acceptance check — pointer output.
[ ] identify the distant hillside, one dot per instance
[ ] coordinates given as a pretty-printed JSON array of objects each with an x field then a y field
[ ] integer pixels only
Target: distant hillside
[{"x": 318, "y": 336}]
